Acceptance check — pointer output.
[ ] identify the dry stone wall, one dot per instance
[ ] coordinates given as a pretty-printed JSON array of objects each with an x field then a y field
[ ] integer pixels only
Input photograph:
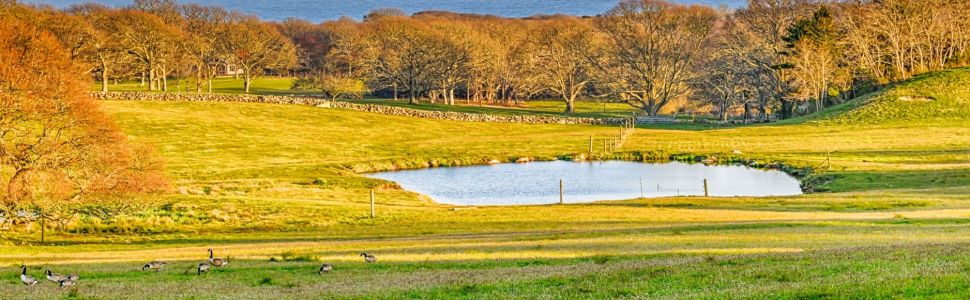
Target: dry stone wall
[{"x": 374, "y": 108}]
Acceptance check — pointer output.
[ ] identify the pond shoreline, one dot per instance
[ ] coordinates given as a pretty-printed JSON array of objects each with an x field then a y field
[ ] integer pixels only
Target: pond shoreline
[
  {"x": 562, "y": 181},
  {"x": 806, "y": 175}
]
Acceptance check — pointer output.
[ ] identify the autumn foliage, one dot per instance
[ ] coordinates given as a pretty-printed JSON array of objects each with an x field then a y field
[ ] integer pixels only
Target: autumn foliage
[{"x": 58, "y": 150}]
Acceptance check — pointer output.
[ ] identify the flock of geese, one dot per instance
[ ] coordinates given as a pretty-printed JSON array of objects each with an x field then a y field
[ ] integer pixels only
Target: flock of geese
[
  {"x": 204, "y": 267},
  {"x": 59, "y": 279}
]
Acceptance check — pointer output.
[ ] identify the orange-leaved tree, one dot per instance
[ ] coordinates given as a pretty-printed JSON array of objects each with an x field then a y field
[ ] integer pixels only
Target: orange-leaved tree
[{"x": 58, "y": 150}]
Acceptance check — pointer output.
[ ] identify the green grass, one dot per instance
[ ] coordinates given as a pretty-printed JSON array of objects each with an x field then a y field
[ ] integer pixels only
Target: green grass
[
  {"x": 268, "y": 85},
  {"x": 263, "y": 182},
  {"x": 585, "y": 109}
]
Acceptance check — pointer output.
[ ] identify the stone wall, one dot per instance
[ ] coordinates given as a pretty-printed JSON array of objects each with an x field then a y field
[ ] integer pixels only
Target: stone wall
[{"x": 374, "y": 108}]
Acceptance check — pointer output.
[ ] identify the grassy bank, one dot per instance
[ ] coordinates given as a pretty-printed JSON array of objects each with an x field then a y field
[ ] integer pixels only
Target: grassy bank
[{"x": 276, "y": 187}]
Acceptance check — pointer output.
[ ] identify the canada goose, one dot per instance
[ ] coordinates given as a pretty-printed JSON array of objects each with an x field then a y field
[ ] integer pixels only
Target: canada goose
[
  {"x": 203, "y": 268},
  {"x": 369, "y": 258},
  {"x": 217, "y": 262},
  {"x": 26, "y": 279},
  {"x": 73, "y": 277},
  {"x": 54, "y": 277},
  {"x": 155, "y": 265},
  {"x": 325, "y": 268},
  {"x": 67, "y": 282}
]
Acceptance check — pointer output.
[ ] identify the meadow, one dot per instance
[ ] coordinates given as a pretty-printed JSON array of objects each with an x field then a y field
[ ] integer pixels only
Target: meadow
[{"x": 277, "y": 188}]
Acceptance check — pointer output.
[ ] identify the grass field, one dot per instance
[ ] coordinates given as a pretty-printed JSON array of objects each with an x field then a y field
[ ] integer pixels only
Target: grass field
[
  {"x": 283, "y": 86},
  {"x": 267, "y": 85},
  {"x": 276, "y": 188},
  {"x": 590, "y": 109}
]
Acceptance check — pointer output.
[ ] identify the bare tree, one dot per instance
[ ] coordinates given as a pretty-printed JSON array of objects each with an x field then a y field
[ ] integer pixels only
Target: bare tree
[
  {"x": 653, "y": 49},
  {"x": 815, "y": 56},
  {"x": 407, "y": 55},
  {"x": 453, "y": 63},
  {"x": 564, "y": 50},
  {"x": 255, "y": 47},
  {"x": 759, "y": 31},
  {"x": 203, "y": 27},
  {"x": 148, "y": 40}
]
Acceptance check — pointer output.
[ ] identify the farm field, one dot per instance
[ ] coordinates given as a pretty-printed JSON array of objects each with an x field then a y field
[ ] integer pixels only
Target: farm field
[
  {"x": 277, "y": 188},
  {"x": 266, "y": 85},
  {"x": 283, "y": 86}
]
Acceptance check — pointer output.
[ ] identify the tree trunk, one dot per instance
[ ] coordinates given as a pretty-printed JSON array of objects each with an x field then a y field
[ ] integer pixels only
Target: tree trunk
[
  {"x": 152, "y": 83},
  {"x": 762, "y": 113},
  {"x": 722, "y": 111},
  {"x": 569, "y": 106},
  {"x": 198, "y": 80},
  {"x": 104, "y": 79},
  {"x": 413, "y": 97},
  {"x": 246, "y": 82},
  {"x": 786, "y": 109},
  {"x": 747, "y": 112}
]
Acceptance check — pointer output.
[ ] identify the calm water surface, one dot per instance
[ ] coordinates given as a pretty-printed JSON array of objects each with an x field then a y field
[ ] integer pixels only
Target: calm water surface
[
  {"x": 322, "y": 10},
  {"x": 538, "y": 182}
]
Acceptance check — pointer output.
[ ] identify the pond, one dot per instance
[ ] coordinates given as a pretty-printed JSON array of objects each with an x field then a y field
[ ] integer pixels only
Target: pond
[{"x": 538, "y": 182}]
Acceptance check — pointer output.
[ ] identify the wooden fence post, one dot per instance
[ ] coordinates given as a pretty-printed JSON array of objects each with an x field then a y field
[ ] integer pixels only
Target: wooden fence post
[
  {"x": 372, "y": 211},
  {"x": 828, "y": 158},
  {"x": 705, "y": 188},
  {"x": 561, "y": 193},
  {"x": 641, "y": 187}
]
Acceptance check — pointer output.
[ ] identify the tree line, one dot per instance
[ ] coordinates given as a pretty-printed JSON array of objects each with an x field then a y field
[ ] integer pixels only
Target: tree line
[{"x": 771, "y": 57}]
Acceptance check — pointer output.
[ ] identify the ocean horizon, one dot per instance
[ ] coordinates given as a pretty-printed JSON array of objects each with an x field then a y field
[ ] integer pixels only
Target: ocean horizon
[{"x": 319, "y": 11}]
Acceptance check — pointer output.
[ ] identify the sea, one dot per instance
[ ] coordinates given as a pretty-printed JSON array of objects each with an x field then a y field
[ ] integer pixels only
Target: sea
[{"x": 323, "y": 10}]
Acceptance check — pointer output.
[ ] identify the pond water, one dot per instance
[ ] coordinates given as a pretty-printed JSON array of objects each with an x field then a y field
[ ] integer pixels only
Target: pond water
[{"x": 538, "y": 182}]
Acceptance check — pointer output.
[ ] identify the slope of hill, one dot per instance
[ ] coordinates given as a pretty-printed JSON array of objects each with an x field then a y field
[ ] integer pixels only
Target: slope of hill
[{"x": 934, "y": 97}]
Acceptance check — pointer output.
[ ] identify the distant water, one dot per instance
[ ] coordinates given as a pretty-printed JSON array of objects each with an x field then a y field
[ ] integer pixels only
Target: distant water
[
  {"x": 322, "y": 10},
  {"x": 538, "y": 182}
]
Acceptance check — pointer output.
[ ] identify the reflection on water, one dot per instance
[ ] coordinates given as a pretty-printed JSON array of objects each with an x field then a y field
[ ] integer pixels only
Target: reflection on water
[{"x": 538, "y": 182}]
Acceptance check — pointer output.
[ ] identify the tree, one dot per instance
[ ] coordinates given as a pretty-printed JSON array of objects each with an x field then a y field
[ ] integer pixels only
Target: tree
[
  {"x": 407, "y": 54},
  {"x": 893, "y": 40},
  {"x": 313, "y": 43},
  {"x": 758, "y": 39},
  {"x": 726, "y": 77},
  {"x": 350, "y": 49},
  {"x": 453, "y": 63},
  {"x": 564, "y": 51},
  {"x": 106, "y": 52},
  {"x": 255, "y": 47},
  {"x": 653, "y": 48},
  {"x": 148, "y": 40},
  {"x": 815, "y": 56},
  {"x": 203, "y": 27},
  {"x": 56, "y": 147}
]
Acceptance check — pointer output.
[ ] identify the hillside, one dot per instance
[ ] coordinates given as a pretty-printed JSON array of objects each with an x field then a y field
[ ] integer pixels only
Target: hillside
[{"x": 928, "y": 98}]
